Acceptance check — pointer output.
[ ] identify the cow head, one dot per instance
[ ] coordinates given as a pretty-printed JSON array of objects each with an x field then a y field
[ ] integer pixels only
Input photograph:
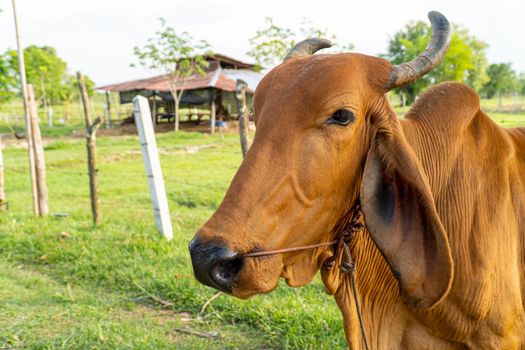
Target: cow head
[{"x": 326, "y": 138}]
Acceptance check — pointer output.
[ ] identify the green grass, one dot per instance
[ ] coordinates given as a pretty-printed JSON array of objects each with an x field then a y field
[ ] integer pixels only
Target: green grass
[
  {"x": 40, "y": 313},
  {"x": 120, "y": 286},
  {"x": 124, "y": 264}
]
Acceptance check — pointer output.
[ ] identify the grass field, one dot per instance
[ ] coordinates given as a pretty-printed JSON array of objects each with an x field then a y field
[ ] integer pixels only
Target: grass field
[
  {"x": 120, "y": 286},
  {"x": 67, "y": 285}
]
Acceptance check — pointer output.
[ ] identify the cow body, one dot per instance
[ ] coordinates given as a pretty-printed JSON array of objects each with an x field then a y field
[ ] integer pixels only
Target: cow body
[
  {"x": 440, "y": 263},
  {"x": 476, "y": 171}
]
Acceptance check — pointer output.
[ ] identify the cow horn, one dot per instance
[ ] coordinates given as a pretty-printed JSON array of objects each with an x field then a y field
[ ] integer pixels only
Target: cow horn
[
  {"x": 409, "y": 72},
  {"x": 308, "y": 47}
]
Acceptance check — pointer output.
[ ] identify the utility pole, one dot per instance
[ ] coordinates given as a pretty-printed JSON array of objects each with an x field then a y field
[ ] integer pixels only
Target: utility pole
[{"x": 29, "y": 134}]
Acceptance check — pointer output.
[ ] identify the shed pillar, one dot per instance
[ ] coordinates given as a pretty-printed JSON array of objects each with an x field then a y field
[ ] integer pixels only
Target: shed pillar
[{"x": 213, "y": 111}]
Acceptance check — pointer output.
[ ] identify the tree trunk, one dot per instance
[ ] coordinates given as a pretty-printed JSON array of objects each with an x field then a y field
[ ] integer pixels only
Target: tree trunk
[
  {"x": 499, "y": 102},
  {"x": 176, "y": 98},
  {"x": 177, "y": 116}
]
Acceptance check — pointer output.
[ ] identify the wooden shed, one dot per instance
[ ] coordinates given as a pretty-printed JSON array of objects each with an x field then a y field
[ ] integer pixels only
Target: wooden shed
[{"x": 202, "y": 93}]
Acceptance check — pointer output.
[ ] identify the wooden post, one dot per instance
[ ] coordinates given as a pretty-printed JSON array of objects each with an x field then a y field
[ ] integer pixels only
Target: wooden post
[
  {"x": 243, "y": 115},
  {"x": 38, "y": 150},
  {"x": 108, "y": 111},
  {"x": 3, "y": 197},
  {"x": 154, "y": 109},
  {"x": 213, "y": 112},
  {"x": 29, "y": 137},
  {"x": 150, "y": 154},
  {"x": 91, "y": 144}
]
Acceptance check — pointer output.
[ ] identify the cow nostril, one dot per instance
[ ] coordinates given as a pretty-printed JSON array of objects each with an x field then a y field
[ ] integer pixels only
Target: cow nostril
[
  {"x": 214, "y": 265},
  {"x": 225, "y": 271}
]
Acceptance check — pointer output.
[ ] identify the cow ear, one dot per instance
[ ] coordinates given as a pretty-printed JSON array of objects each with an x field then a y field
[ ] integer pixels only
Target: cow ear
[{"x": 402, "y": 220}]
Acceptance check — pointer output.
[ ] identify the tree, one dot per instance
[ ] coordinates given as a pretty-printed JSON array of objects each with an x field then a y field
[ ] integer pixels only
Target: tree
[
  {"x": 70, "y": 93},
  {"x": 177, "y": 55},
  {"x": 270, "y": 44},
  {"x": 503, "y": 79},
  {"x": 521, "y": 88},
  {"x": 309, "y": 30},
  {"x": 45, "y": 70},
  {"x": 7, "y": 80},
  {"x": 521, "y": 84},
  {"x": 465, "y": 60}
]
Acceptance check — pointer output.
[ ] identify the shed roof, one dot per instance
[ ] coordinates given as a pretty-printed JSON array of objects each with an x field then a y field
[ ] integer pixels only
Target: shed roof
[
  {"x": 222, "y": 79},
  {"x": 229, "y": 61}
]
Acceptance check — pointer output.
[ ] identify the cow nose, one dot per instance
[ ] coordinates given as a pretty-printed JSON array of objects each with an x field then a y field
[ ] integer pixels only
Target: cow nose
[{"x": 214, "y": 265}]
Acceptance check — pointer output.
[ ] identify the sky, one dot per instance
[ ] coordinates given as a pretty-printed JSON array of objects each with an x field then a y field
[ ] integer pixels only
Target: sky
[{"x": 97, "y": 36}]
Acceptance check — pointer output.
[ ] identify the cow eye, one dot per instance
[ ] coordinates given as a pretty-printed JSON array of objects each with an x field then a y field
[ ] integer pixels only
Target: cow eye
[{"x": 341, "y": 117}]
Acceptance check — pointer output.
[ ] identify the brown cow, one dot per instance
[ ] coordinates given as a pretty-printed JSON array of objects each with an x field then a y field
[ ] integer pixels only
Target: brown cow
[{"x": 440, "y": 264}]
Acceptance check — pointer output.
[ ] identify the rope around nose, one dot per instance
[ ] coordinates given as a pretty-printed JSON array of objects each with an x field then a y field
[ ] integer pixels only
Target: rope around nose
[{"x": 289, "y": 250}]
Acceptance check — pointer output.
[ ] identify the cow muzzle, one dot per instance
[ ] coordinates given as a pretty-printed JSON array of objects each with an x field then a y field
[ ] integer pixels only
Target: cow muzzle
[{"x": 215, "y": 265}]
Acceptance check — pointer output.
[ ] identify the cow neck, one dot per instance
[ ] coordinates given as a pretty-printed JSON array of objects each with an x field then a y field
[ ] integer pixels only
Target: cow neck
[{"x": 350, "y": 225}]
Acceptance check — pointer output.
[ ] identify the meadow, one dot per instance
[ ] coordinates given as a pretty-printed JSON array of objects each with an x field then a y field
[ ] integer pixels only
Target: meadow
[{"x": 65, "y": 284}]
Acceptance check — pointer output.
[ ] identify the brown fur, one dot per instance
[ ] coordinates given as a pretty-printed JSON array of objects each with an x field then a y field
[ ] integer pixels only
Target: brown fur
[{"x": 455, "y": 239}]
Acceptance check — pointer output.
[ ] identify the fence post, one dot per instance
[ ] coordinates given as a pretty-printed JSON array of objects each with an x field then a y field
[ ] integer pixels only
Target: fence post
[
  {"x": 108, "y": 111},
  {"x": 150, "y": 154},
  {"x": 91, "y": 144},
  {"x": 3, "y": 198},
  {"x": 243, "y": 115},
  {"x": 38, "y": 150}
]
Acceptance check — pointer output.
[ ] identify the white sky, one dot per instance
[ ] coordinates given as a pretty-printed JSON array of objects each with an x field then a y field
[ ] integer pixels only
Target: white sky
[{"x": 98, "y": 36}]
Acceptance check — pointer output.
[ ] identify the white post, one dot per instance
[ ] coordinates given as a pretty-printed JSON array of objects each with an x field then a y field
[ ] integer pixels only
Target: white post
[
  {"x": 150, "y": 154},
  {"x": 50, "y": 116},
  {"x": 3, "y": 197}
]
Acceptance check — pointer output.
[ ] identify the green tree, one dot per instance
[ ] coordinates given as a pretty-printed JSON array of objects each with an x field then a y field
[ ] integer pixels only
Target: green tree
[
  {"x": 177, "y": 55},
  {"x": 270, "y": 45},
  {"x": 503, "y": 79},
  {"x": 45, "y": 70},
  {"x": 465, "y": 60},
  {"x": 7, "y": 80},
  {"x": 48, "y": 74},
  {"x": 521, "y": 84},
  {"x": 70, "y": 93}
]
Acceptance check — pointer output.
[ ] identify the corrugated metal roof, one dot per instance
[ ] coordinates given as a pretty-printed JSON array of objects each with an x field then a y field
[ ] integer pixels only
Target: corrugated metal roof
[
  {"x": 249, "y": 76},
  {"x": 222, "y": 79}
]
